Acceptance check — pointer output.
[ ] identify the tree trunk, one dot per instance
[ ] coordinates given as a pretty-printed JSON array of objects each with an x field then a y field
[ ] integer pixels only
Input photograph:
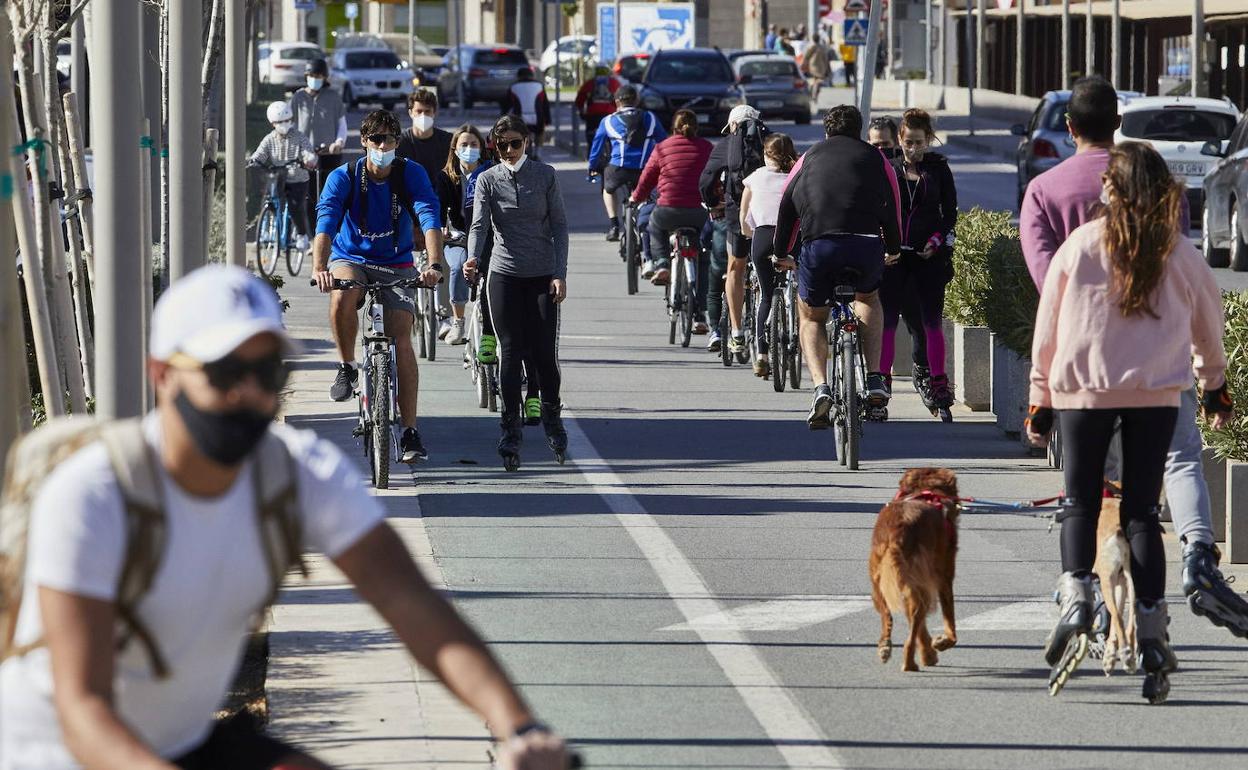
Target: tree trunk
[
  {"x": 212, "y": 59},
  {"x": 82, "y": 287},
  {"x": 253, "y": 63},
  {"x": 79, "y": 166},
  {"x": 211, "y": 140},
  {"x": 14, "y": 387},
  {"x": 164, "y": 147}
]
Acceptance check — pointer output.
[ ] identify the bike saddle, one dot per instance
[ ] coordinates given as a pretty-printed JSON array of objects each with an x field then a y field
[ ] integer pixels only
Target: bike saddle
[{"x": 845, "y": 280}]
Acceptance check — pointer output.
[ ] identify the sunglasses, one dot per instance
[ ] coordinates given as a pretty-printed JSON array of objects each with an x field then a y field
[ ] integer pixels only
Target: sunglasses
[
  {"x": 380, "y": 138},
  {"x": 513, "y": 145},
  {"x": 225, "y": 374}
]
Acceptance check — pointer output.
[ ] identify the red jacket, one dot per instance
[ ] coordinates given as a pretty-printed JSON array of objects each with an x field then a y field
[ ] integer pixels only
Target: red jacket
[
  {"x": 589, "y": 107},
  {"x": 675, "y": 166}
]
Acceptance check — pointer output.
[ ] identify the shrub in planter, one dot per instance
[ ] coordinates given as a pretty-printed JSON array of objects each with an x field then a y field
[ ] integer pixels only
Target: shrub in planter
[
  {"x": 1232, "y": 442},
  {"x": 1010, "y": 306},
  {"x": 966, "y": 293}
]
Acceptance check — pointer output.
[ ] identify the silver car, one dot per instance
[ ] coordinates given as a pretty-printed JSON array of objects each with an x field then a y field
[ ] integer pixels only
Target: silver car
[
  {"x": 372, "y": 74},
  {"x": 487, "y": 72}
]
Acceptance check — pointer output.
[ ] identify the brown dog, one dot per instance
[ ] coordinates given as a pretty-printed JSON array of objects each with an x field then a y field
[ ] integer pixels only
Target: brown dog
[
  {"x": 913, "y": 550},
  {"x": 1113, "y": 568}
]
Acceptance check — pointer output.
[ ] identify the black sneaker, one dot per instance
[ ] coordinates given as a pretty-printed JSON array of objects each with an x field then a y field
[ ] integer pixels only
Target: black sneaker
[
  {"x": 412, "y": 450},
  {"x": 1207, "y": 591},
  {"x": 344, "y": 382},
  {"x": 613, "y": 233},
  {"x": 821, "y": 410},
  {"x": 878, "y": 391}
]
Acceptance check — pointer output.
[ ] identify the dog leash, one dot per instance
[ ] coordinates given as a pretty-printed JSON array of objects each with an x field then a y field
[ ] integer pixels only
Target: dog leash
[{"x": 973, "y": 505}]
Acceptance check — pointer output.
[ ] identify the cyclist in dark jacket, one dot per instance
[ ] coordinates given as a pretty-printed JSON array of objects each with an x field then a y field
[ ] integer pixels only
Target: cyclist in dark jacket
[
  {"x": 674, "y": 168},
  {"x": 621, "y": 148}
]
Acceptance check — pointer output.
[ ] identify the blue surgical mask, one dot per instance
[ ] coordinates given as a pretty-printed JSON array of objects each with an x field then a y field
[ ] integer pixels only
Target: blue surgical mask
[
  {"x": 315, "y": 83},
  {"x": 381, "y": 158},
  {"x": 469, "y": 154}
]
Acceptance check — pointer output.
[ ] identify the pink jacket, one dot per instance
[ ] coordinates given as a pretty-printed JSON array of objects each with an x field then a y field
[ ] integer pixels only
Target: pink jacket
[{"x": 1087, "y": 355}]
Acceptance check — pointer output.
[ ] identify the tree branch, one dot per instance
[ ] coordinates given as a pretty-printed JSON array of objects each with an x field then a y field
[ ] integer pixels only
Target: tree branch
[{"x": 69, "y": 22}]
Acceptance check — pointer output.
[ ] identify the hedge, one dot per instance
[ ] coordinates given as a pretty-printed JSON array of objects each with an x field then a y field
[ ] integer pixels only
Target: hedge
[
  {"x": 1232, "y": 442},
  {"x": 991, "y": 286}
]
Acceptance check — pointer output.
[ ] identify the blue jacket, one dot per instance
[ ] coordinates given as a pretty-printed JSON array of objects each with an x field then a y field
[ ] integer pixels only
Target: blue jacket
[
  {"x": 611, "y": 145},
  {"x": 386, "y": 238}
]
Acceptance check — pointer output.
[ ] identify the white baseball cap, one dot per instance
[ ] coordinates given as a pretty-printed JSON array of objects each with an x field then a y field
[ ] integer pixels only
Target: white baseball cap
[
  {"x": 212, "y": 311},
  {"x": 739, "y": 113}
]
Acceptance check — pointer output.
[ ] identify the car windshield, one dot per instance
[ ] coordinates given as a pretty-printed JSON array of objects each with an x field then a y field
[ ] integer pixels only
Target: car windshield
[
  {"x": 775, "y": 68},
  {"x": 1178, "y": 125},
  {"x": 372, "y": 60},
  {"x": 691, "y": 69},
  {"x": 633, "y": 67},
  {"x": 494, "y": 58},
  {"x": 1055, "y": 119},
  {"x": 302, "y": 54},
  {"x": 575, "y": 46}
]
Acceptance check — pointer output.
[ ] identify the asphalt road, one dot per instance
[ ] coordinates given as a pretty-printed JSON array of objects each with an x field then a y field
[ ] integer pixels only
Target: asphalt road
[{"x": 691, "y": 590}]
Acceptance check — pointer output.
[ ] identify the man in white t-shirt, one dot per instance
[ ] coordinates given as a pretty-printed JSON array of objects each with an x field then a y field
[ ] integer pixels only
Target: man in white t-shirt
[{"x": 217, "y": 366}]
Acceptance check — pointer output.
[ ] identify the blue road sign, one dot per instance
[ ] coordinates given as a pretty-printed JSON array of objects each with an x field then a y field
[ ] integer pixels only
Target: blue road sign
[
  {"x": 608, "y": 32},
  {"x": 305, "y": 5},
  {"x": 352, "y": 10},
  {"x": 855, "y": 32}
]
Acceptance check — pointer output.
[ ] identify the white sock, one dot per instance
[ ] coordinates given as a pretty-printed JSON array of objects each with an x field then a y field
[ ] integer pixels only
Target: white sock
[{"x": 737, "y": 333}]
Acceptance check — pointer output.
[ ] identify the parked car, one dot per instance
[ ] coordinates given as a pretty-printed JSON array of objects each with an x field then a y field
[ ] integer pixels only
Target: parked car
[
  {"x": 284, "y": 63},
  {"x": 572, "y": 49},
  {"x": 773, "y": 86},
  {"x": 1178, "y": 127},
  {"x": 487, "y": 72},
  {"x": 1224, "y": 231},
  {"x": 416, "y": 55},
  {"x": 372, "y": 74},
  {"x": 631, "y": 66},
  {"x": 697, "y": 79},
  {"x": 1045, "y": 140}
]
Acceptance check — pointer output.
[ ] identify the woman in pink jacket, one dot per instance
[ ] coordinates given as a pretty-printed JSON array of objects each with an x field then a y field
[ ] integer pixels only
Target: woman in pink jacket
[{"x": 1127, "y": 304}]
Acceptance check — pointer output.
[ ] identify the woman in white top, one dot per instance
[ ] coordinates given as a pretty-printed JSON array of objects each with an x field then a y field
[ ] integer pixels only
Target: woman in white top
[{"x": 760, "y": 204}]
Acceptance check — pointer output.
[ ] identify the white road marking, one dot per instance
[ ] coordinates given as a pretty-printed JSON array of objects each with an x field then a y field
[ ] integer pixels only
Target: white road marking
[
  {"x": 1029, "y": 615},
  {"x": 788, "y": 613},
  {"x": 798, "y": 738}
]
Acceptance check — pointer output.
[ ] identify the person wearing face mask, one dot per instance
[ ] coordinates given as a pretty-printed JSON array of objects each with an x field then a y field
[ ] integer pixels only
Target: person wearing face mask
[
  {"x": 882, "y": 135},
  {"x": 457, "y": 185},
  {"x": 321, "y": 116},
  {"x": 519, "y": 204},
  {"x": 283, "y": 145},
  {"x": 760, "y": 205},
  {"x": 74, "y": 696},
  {"x": 929, "y": 214},
  {"x": 422, "y": 143},
  {"x": 369, "y": 223}
]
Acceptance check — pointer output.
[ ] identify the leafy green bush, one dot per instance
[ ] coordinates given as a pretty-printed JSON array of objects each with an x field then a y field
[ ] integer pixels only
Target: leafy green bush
[
  {"x": 965, "y": 295},
  {"x": 991, "y": 286},
  {"x": 1232, "y": 442}
]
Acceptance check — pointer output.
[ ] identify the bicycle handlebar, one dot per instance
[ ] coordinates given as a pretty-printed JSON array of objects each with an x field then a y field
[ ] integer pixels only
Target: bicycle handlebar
[{"x": 343, "y": 284}]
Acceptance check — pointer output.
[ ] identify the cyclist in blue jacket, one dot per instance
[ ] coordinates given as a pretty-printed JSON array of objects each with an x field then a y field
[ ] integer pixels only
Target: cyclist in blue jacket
[{"x": 621, "y": 148}]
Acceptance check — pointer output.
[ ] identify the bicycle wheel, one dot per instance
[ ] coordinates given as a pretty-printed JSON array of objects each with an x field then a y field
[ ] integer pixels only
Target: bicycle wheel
[
  {"x": 267, "y": 240},
  {"x": 482, "y": 386},
  {"x": 294, "y": 255},
  {"x": 431, "y": 323},
  {"x": 853, "y": 411},
  {"x": 795, "y": 345},
  {"x": 379, "y": 405},
  {"x": 724, "y": 354},
  {"x": 631, "y": 247},
  {"x": 688, "y": 299},
  {"x": 778, "y": 341},
  {"x": 747, "y": 324},
  {"x": 491, "y": 384}
]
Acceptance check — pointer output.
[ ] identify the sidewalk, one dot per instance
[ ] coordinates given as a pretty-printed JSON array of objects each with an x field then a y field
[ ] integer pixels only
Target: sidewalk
[{"x": 339, "y": 683}]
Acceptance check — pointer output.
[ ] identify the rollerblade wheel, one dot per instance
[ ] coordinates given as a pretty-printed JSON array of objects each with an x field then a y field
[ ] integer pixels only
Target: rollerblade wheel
[
  {"x": 945, "y": 414},
  {"x": 561, "y": 457},
  {"x": 1076, "y": 650},
  {"x": 511, "y": 462},
  {"x": 1156, "y": 687}
]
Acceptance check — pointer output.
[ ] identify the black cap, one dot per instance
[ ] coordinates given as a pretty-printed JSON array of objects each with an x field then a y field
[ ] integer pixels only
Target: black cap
[{"x": 318, "y": 68}]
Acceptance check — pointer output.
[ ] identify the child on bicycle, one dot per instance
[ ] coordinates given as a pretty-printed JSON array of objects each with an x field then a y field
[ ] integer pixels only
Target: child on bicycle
[{"x": 284, "y": 145}]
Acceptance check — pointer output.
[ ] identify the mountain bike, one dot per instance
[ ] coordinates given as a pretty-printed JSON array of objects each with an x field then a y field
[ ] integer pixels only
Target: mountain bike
[
  {"x": 275, "y": 230},
  {"x": 630, "y": 237},
  {"x": 484, "y": 376},
  {"x": 682, "y": 291},
  {"x": 747, "y": 320},
  {"x": 847, "y": 373},
  {"x": 427, "y": 317},
  {"x": 377, "y": 397},
  {"x": 784, "y": 340}
]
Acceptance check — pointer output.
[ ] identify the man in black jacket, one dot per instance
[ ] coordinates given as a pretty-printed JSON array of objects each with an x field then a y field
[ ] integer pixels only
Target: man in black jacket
[
  {"x": 422, "y": 143},
  {"x": 845, "y": 194}
]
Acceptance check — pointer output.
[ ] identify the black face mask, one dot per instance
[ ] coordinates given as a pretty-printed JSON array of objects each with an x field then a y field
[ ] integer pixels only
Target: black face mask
[{"x": 224, "y": 437}]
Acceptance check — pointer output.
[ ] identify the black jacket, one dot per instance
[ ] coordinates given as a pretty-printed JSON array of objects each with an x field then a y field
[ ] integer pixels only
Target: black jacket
[
  {"x": 431, "y": 153},
  {"x": 929, "y": 207},
  {"x": 844, "y": 186}
]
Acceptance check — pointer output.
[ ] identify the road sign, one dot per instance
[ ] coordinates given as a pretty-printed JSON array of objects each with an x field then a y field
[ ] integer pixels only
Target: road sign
[
  {"x": 305, "y": 5},
  {"x": 855, "y": 32},
  {"x": 857, "y": 6},
  {"x": 825, "y": 7},
  {"x": 352, "y": 11}
]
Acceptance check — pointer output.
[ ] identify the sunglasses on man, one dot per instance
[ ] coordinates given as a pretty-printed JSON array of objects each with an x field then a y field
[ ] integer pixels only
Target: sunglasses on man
[
  {"x": 511, "y": 145},
  {"x": 381, "y": 138},
  {"x": 225, "y": 374}
]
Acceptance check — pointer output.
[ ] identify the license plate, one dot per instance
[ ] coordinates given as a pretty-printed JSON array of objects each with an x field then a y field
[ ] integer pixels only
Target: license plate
[
  {"x": 1180, "y": 168},
  {"x": 770, "y": 104},
  {"x": 702, "y": 118},
  {"x": 504, "y": 74}
]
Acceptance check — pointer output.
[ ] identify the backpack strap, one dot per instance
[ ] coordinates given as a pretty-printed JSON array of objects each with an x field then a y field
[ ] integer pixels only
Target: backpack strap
[
  {"x": 134, "y": 464},
  {"x": 275, "y": 475}
]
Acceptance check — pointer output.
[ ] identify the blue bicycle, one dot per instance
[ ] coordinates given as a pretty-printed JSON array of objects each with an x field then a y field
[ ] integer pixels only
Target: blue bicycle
[{"x": 275, "y": 231}]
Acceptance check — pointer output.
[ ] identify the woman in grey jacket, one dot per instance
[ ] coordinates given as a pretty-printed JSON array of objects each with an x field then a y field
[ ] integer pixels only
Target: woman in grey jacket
[{"x": 519, "y": 201}]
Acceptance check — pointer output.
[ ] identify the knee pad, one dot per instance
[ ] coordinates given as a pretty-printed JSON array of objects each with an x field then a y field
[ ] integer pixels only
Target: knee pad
[
  {"x": 1075, "y": 509},
  {"x": 1141, "y": 525}
]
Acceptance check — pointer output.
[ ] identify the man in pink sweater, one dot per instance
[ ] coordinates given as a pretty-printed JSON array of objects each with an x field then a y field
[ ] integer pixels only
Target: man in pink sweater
[{"x": 1056, "y": 203}]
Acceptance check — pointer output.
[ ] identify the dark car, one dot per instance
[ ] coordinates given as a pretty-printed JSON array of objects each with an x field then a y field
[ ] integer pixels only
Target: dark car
[
  {"x": 1224, "y": 234},
  {"x": 697, "y": 79},
  {"x": 631, "y": 66},
  {"x": 773, "y": 86},
  {"x": 487, "y": 72}
]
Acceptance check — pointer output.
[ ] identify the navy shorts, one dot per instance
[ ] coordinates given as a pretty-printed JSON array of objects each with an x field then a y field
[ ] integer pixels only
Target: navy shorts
[{"x": 822, "y": 261}]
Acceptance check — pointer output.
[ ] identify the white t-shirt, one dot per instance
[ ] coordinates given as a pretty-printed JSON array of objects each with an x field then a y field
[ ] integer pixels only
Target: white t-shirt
[
  {"x": 766, "y": 190},
  {"x": 212, "y": 579}
]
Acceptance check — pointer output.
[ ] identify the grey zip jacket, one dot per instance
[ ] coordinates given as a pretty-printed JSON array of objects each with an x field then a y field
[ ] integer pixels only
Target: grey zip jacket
[{"x": 525, "y": 211}]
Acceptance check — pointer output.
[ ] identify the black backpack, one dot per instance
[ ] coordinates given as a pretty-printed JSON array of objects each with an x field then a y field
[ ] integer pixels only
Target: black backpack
[
  {"x": 635, "y": 131},
  {"x": 400, "y": 197},
  {"x": 745, "y": 154}
]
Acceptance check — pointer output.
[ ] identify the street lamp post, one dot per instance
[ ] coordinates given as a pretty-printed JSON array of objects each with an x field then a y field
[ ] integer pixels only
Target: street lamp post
[
  {"x": 1089, "y": 41},
  {"x": 867, "y": 75},
  {"x": 1065, "y": 43},
  {"x": 1198, "y": 44},
  {"x": 1020, "y": 43},
  {"x": 235, "y": 133},
  {"x": 1115, "y": 45},
  {"x": 186, "y": 137}
]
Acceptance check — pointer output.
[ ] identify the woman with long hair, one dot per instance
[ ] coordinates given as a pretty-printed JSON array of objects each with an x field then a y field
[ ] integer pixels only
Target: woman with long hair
[
  {"x": 760, "y": 205},
  {"x": 1126, "y": 303},
  {"x": 918, "y": 277},
  {"x": 518, "y": 202},
  {"x": 466, "y": 161}
]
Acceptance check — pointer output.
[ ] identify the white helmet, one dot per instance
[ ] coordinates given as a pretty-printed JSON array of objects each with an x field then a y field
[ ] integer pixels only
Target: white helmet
[{"x": 279, "y": 111}]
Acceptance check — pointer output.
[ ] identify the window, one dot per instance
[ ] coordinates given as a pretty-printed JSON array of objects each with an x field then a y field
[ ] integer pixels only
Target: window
[
  {"x": 505, "y": 57},
  {"x": 305, "y": 53},
  {"x": 1178, "y": 125},
  {"x": 690, "y": 69},
  {"x": 774, "y": 68},
  {"x": 1239, "y": 139},
  {"x": 372, "y": 60},
  {"x": 1055, "y": 120}
]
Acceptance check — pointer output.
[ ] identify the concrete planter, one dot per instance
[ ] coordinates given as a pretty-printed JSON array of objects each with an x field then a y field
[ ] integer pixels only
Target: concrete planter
[
  {"x": 1216, "y": 477},
  {"x": 1236, "y": 518},
  {"x": 1011, "y": 379},
  {"x": 972, "y": 366}
]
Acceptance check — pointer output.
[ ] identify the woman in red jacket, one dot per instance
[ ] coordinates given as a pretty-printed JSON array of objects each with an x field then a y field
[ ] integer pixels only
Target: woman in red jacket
[{"x": 674, "y": 167}]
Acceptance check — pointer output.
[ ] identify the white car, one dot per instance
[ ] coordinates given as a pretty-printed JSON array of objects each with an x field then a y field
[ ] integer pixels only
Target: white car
[
  {"x": 370, "y": 74},
  {"x": 1178, "y": 127},
  {"x": 284, "y": 63},
  {"x": 570, "y": 49}
]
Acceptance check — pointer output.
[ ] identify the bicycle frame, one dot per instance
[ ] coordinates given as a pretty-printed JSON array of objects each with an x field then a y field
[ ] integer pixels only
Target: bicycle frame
[
  {"x": 375, "y": 339},
  {"x": 680, "y": 310}
]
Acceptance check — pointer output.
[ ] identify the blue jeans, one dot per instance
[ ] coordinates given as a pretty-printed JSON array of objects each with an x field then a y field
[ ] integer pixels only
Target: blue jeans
[
  {"x": 1186, "y": 491},
  {"x": 456, "y": 256}
]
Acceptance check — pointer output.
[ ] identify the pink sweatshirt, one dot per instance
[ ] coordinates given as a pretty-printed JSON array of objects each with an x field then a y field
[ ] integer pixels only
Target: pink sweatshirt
[{"x": 1087, "y": 355}]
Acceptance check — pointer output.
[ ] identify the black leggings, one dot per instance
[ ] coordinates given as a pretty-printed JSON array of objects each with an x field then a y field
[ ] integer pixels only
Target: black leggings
[
  {"x": 1146, "y": 434},
  {"x": 487, "y": 327},
  {"x": 760, "y": 255},
  {"x": 297, "y": 196},
  {"x": 914, "y": 288},
  {"x": 526, "y": 322}
]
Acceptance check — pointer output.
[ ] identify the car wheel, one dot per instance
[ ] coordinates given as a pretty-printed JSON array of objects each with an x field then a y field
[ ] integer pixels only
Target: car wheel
[
  {"x": 1239, "y": 249},
  {"x": 1216, "y": 257}
]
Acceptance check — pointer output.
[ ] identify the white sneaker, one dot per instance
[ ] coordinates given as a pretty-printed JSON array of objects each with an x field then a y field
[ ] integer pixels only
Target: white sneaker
[
  {"x": 456, "y": 335},
  {"x": 647, "y": 269},
  {"x": 301, "y": 242},
  {"x": 444, "y": 329}
]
